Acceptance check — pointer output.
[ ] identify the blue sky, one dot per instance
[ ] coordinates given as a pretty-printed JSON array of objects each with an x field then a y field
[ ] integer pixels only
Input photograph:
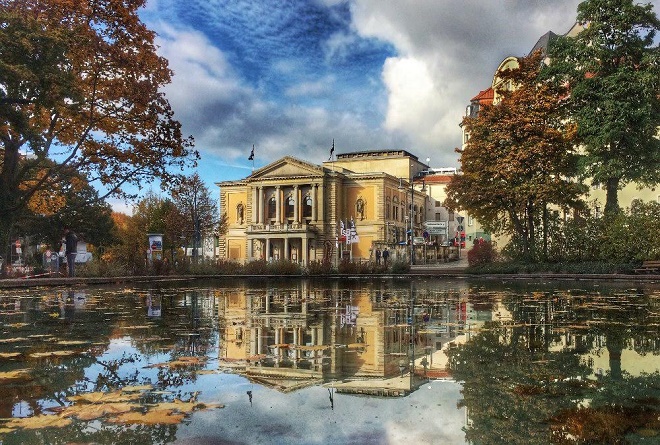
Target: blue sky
[{"x": 289, "y": 76}]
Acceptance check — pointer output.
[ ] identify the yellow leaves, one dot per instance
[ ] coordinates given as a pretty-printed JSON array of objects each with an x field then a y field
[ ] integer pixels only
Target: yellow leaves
[
  {"x": 13, "y": 340},
  {"x": 35, "y": 423},
  {"x": 18, "y": 374},
  {"x": 149, "y": 418},
  {"x": 53, "y": 354},
  {"x": 117, "y": 407},
  {"x": 105, "y": 397},
  {"x": 180, "y": 362},
  {"x": 10, "y": 355}
]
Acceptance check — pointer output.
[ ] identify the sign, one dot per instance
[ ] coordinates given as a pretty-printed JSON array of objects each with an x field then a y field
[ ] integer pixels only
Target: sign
[
  {"x": 436, "y": 227},
  {"x": 460, "y": 219},
  {"x": 418, "y": 240},
  {"x": 460, "y": 228}
]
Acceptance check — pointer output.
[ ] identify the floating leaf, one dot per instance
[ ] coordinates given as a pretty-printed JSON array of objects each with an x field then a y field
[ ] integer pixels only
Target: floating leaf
[
  {"x": 15, "y": 375},
  {"x": 12, "y": 340},
  {"x": 9, "y": 354},
  {"x": 96, "y": 411},
  {"x": 137, "y": 388},
  {"x": 53, "y": 354},
  {"x": 38, "y": 422},
  {"x": 149, "y": 418},
  {"x": 104, "y": 397}
]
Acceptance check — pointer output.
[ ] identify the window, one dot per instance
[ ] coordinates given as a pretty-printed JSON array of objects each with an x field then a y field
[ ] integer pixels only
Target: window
[
  {"x": 387, "y": 208},
  {"x": 395, "y": 209},
  {"x": 438, "y": 216},
  {"x": 438, "y": 204},
  {"x": 451, "y": 216},
  {"x": 290, "y": 207},
  {"x": 272, "y": 208},
  {"x": 597, "y": 212},
  {"x": 470, "y": 221},
  {"x": 307, "y": 207}
]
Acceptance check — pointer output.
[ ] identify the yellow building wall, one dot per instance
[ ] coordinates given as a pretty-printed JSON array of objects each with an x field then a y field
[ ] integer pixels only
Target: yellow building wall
[{"x": 236, "y": 249}]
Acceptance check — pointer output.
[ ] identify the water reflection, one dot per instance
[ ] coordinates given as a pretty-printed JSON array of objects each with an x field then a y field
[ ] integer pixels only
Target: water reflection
[{"x": 537, "y": 363}]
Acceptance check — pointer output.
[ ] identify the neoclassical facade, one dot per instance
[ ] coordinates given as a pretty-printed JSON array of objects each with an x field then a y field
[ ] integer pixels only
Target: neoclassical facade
[{"x": 292, "y": 210}]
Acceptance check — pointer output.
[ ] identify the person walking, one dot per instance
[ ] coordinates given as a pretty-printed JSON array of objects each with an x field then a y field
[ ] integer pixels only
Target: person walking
[
  {"x": 378, "y": 256},
  {"x": 71, "y": 250},
  {"x": 386, "y": 255}
]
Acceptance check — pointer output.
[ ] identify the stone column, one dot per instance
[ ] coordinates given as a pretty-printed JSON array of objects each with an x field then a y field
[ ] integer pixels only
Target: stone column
[
  {"x": 267, "y": 253},
  {"x": 260, "y": 205},
  {"x": 255, "y": 205},
  {"x": 305, "y": 251},
  {"x": 278, "y": 205},
  {"x": 286, "y": 255},
  {"x": 312, "y": 194},
  {"x": 250, "y": 254},
  {"x": 320, "y": 198},
  {"x": 296, "y": 204}
]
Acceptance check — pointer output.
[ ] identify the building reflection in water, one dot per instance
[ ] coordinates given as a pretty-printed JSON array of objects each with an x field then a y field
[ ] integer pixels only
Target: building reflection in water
[{"x": 292, "y": 337}]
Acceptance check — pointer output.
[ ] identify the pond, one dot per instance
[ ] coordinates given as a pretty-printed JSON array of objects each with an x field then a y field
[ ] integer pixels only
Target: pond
[{"x": 257, "y": 361}]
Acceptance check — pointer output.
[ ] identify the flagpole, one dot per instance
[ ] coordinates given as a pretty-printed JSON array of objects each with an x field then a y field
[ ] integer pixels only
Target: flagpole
[{"x": 251, "y": 157}]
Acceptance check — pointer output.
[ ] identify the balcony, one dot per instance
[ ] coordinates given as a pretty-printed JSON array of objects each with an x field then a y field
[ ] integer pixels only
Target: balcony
[{"x": 303, "y": 227}]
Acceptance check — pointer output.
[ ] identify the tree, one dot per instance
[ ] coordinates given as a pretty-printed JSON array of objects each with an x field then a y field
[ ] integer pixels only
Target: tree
[
  {"x": 519, "y": 158},
  {"x": 78, "y": 207},
  {"x": 613, "y": 69},
  {"x": 199, "y": 210},
  {"x": 80, "y": 91}
]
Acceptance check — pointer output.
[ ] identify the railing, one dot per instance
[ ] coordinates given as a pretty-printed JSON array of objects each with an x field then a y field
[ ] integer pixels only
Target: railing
[{"x": 292, "y": 227}]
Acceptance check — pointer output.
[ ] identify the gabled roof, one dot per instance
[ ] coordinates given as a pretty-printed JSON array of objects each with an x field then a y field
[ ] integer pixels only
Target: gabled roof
[
  {"x": 287, "y": 166},
  {"x": 484, "y": 97}
]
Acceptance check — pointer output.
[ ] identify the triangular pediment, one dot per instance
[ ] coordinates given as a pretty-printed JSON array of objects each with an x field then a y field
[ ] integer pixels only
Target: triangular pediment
[{"x": 287, "y": 167}]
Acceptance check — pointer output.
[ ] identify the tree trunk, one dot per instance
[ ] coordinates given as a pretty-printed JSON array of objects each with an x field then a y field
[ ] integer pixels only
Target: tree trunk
[{"x": 612, "y": 197}]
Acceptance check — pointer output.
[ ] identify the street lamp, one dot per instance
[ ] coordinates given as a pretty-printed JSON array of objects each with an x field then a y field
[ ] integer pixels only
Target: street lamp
[{"x": 411, "y": 213}]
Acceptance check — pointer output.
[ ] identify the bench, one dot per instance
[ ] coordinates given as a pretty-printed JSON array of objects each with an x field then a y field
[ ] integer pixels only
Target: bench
[{"x": 649, "y": 267}]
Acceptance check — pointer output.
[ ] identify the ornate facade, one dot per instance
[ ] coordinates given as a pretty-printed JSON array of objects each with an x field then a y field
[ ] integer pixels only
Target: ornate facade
[{"x": 291, "y": 209}]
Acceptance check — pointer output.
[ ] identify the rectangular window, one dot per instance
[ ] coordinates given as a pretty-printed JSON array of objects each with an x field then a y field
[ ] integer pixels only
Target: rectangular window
[
  {"x": 470, "y": 221},
  {"x": 439, "y": 204},
  {"x": 438, "y": 216},
  {"x": 451, "y": 216}
]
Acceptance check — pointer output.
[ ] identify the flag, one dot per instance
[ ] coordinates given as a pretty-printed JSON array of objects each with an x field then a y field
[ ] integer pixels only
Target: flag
[
  {"x": 251, "y": 157},
  {"x": 332, "y": 150},
  {"x": 353, "y": 233},
  {"x": 342, "y": 231}
]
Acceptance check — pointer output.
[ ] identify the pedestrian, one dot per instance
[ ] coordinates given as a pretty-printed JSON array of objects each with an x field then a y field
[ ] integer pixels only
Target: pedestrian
[
  {"x": 378, "y": 256},
  {"x": 386, "y": 255},
  {"x": 71, "y": 250}
]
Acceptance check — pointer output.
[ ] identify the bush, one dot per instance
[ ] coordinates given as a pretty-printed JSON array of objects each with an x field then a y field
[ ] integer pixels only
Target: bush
[
  {"x": 482, "y": 253},
  {"x": 320, "y": 268},
  {"x": 400, "y": 266}
]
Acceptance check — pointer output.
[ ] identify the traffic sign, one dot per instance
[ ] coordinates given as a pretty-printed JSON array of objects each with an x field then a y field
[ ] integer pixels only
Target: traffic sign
[
  {"x": 460, "y": 219},
  {"x": 460, "y": 228}
]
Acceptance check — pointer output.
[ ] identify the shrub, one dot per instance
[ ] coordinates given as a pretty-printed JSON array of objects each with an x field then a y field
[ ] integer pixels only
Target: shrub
[
  {"x": 320, "y": 268},
  {"x": 400, "y": 266},
  {"x": 482, "y": 253}
]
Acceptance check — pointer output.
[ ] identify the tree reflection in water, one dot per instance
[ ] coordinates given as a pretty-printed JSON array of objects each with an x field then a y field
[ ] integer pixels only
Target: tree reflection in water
[
  {"x": 533, "y": 379},
  {"x": 529, "y": 356}
]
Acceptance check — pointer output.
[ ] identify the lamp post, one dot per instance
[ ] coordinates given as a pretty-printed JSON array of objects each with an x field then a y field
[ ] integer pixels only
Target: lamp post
[{"x": 411, "y": 214}]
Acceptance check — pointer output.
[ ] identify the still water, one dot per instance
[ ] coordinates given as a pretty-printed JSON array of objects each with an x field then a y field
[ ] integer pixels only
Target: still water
[{"x": 331, "y": 362}]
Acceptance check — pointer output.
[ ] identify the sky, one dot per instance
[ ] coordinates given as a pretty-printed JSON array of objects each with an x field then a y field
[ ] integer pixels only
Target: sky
[{"x": 291, "y": 76}]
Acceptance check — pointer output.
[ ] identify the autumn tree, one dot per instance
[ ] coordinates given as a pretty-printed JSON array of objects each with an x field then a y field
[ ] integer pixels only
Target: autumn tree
[
  {"x": 519, "y": 158},
  {"x": 198, "y": 208},
  {"x": 81, "y": 91},
  {"x": 80, "y": 209},
  {"x": 613, "y": 68}
]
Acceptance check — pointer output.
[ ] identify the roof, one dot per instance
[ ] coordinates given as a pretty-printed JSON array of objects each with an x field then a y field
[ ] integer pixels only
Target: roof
[
  {"x": 438, "y": 179},
  {"x": 484, "y": 97},
  {"x": 376, "y": 153},
  {"x": 543, "y": 42}
]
